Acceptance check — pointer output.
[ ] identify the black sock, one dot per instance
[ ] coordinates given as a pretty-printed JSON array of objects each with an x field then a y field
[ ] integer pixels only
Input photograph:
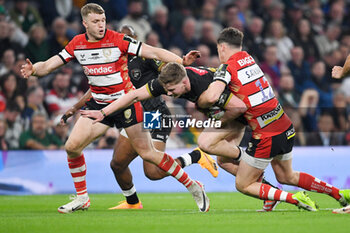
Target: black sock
[
  {"x": 182, "y": 162},
  {"x": 195, "y": 156},
  {"x": 266, "y": 182},
  {"x": 133, "y": 199},
  {"x": 239, "y": 155}
]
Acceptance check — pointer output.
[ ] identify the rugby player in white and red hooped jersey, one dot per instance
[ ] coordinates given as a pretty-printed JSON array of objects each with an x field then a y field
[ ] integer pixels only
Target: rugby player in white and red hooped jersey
[
  {"x": 103, "y": 55},
  {"x": 273, "y": 133}
]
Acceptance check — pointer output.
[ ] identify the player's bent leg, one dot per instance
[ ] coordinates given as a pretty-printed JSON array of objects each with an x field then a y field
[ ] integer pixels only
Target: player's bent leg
[
  {"x": 228, "y": 164},
  {"x": 286, "y": 175},
  {"x": 142, "y": 143},
  {"x": 152, "y": 171},
  {"x": 83, "y": 133},
  {"x": 123, "y": 154},
  {"x": 250, "y": 169}
]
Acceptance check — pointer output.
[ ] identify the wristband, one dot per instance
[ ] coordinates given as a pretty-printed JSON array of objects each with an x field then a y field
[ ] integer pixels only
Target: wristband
[
  {"x": 103, "y": 113},
  {"x": 64, "y": 118}
]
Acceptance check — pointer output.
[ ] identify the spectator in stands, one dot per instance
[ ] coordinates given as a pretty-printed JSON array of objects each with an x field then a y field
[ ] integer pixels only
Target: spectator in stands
[
  {"x": 60, "y": 9},
  {"x": 35, "y": 103},
  {"x": 4, "y": 145},
  {"x": 9, "y": 90},
  {"x": 328, "y": 42},
  {"x": 204, "y": 59},
  {"x": 208, "y": 15},
  {"x": 275, "y": 11},
  {"x": 5, "y": 39},
  {"x": 162, "y": 26},
  {"x": 300, "y": 135},
  {"x": 303, "y": 37},
  {"x": 24, "y": 15},
  {"x": 299, "y": 68},
  {"x": 294, "y": 15},
  {"x": 321, "y": 83},
  {"x": 60, "y": 130},
  {"x": 244, "y": 14},
  {"x": 59, "y": 36},
  {"x": 12, "y": 116},
  {"x": 271, "y": 65},
  {"x": 230, "y": 14},
  {"x": 288, "y": 95},
  {"x": 37, "y": 48},
  {"x": 317, "y": 21},
  {"x": 308, "y": 109},
  {"x": 186, "y": 39},
  {"x": 135, "y": 19},
  {"x": 339, "y": 113},
  {"x": 7, "y": 61},
  {"x": 253, "y": 39},
  {"x": 37, "y": 137},
  {"x": 336, "y": 12},
  {"x": 325, "y": 135},
  {"x": 277, "y": 35},
  {"x": 108, "y": 140},
  {"x": 208, "y": 36},
  {"x": 152, "y": 39},
  {"x": 59, "y": 99}
]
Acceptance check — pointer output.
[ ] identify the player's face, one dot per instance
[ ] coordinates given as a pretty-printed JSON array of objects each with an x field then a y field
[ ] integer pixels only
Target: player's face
[
  {"x": 95, "y": 25},
  {"x": 175, "y": 89}
]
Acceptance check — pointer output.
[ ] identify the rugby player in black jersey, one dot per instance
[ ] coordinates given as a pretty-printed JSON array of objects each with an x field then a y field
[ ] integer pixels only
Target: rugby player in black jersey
[
  {"x": 140, "y": 72},
  {"x": 189, "y": 84}
]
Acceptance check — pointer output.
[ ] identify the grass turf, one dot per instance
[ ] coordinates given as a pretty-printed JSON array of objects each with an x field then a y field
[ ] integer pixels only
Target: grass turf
[{"x": 167, "y": 212}]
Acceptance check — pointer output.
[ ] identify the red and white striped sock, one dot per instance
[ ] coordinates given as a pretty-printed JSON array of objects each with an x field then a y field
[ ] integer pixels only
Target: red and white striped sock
[
  {"x": 77, "y": 168},
  {"x": 169, "y": 165},
  {"x": 311, "y": 183},
  {"x": 267, "y": 192}
]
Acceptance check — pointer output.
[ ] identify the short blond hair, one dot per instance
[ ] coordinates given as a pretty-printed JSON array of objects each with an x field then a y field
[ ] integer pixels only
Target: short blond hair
[
  {"x": 172, "y": 73},
  {"x": 91, "y": 8}
]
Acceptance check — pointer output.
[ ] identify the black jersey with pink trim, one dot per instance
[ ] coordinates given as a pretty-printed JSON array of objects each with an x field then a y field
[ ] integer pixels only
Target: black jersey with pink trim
[
  {"x": 104, "y": 63},
  {"x": 246, "y": 80}
]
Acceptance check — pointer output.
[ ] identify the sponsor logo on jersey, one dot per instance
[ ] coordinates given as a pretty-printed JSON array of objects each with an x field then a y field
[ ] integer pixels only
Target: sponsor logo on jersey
[
  {"x": 98, "y": 71},
  {"x": 271, "y": 116},
  {"x": 245, "y": 61}
]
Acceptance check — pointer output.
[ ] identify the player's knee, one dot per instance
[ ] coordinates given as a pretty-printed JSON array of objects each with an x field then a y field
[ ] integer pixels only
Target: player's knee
[
  {"x": 204, "y": 145},
  {"x": 116, "y": 167},
  {"x": 72, "y": 147},
  {"x": 240, "y": 186},
  {"x": 153, "y": 175}
]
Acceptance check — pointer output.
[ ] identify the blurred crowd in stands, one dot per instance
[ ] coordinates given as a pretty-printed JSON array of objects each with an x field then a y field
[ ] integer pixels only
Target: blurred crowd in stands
[{"x": 296, "y": 43}]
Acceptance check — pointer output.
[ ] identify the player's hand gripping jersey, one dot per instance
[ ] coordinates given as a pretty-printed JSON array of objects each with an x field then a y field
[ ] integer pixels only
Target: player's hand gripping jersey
[
  {"x": 246, "y": 80},
  {"x": 104, "y": 63}
]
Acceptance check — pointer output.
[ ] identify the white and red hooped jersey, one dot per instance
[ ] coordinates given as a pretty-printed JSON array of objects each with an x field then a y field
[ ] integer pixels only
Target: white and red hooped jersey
[
  {"x": 247, "y": 81},
  {"x": 104, "y": 63}
]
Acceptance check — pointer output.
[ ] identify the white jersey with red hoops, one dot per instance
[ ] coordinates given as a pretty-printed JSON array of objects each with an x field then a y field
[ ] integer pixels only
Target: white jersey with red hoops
[
  {"x": 104, "y": 63},
  {"x": 247, "y": 81}
]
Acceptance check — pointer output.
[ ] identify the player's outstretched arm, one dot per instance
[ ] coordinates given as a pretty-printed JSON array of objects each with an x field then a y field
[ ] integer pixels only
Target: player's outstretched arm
[
  {"x": 164, "y": 55},
  {"x": 340, "y": 72},
  {"x": 71, "y": 111},
  {"x": 211, "y": 95},
  {"x": 41, "y": 68},
  {"x": 121, "y": 103},
  {"x": 234, "y": 108}
]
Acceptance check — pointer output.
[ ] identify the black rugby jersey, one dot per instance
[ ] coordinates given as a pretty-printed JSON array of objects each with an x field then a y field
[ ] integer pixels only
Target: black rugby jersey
[
  {"x": 141, "y": 71},
  {"x": 200, "y": 78}
]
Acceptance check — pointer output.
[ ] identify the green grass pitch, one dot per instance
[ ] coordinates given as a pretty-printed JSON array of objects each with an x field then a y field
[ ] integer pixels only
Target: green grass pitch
[{"x": 167, "y": 212}]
